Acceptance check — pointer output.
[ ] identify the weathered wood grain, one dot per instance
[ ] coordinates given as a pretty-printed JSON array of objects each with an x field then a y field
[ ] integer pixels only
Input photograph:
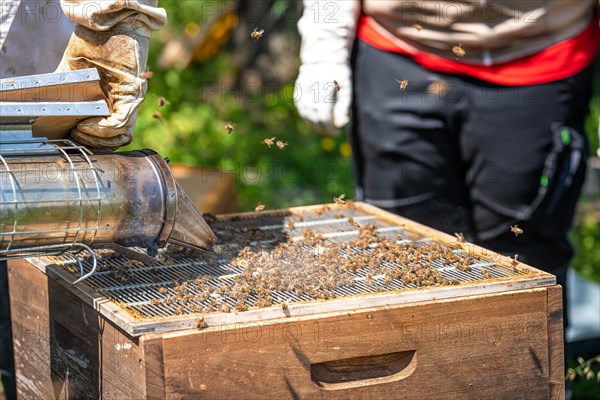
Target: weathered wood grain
[
  {"x": 492, "y": 346},
  {"x": 556, "y": 344},
  {"x": 67, "y": 349}
]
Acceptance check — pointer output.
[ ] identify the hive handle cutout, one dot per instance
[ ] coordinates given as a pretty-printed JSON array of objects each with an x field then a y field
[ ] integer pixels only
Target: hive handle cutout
[{"x": 364, "y": 371}]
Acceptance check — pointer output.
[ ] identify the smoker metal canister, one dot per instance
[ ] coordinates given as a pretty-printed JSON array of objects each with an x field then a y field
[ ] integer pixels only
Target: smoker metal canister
[{"x": 59, "y": 197}]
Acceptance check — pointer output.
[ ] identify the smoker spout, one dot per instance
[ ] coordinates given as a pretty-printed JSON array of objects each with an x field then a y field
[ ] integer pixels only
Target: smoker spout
[{"x": 190, "y": 229}]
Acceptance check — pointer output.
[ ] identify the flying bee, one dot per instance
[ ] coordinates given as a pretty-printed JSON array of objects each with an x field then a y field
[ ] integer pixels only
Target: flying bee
[
  {"x": 147, "y": 74},
  {"x": 157, "y": 115},
  {"x": 256, "y": 34},
  {"x": 259, "y": 207},
  {"x": 459, "y": 51},
  {"x": 229, "y": 127},
  {"x": 352, "y": 222},
  {"x": 516, "y": 230},
  {"x": 269, "y": 141},
  {"x": 460, "y": 238},
  {"x": 340, "y": 200},
  {"x": 403, "y": 84},
  {"x": 281, "y": 145},
  {"x": 418, "y": 27},
  {"x": 336, "y": 85},
  {"x": 162, "y": 102}
]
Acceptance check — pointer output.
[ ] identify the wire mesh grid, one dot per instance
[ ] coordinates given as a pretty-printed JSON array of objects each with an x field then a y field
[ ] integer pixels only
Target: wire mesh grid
[{"x": 183, "y": 282}]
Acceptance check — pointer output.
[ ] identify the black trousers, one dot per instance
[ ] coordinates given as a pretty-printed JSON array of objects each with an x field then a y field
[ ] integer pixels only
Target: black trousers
[{"x": 464, "y": 155}]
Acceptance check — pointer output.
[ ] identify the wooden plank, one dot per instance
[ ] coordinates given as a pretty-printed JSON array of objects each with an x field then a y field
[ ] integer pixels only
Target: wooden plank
[
  {"x": 30, "y": 322},
  {"x": 556, "y": 344},
  {"x": 88, "y": 295},
  {"x": 135, "y": 327},
  {"x": 490, "y": 346},
  {"x": 154, "y": 366},
  {"x": 158, "y": 325},
  {"x": 82, "y": 355}
]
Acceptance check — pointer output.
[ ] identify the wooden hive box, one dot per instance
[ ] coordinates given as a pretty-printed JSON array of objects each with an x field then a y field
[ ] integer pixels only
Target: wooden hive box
[{"x": 490, "y": 337}]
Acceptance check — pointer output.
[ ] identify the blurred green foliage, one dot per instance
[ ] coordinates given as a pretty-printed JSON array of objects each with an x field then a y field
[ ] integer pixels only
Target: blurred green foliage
[
  {"x": 584, "y": 376},
  {"x": 200, "y": 101},
  {"x": 586, "y": 239}
]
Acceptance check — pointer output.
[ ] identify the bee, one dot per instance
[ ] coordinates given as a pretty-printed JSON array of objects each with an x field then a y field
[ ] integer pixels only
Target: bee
[
  {"x": 516, "y": 230},
  {"x": 403, "y": 84},
  {"x": 290, "y": 225},
  {"x": 418, "y": 27},
  {"x": 340, "y": 200},
  {"x": 147, "y": 75},
  {"x": 259, "y": 207},
  {"x": 224, "y": 308},
  {"x": 200, "y": 323},
  {"x": 269, "y": 141},
  {"x": 163, "y": 290},
  {"x": 157, "y": 115},
  {"x": 514, "y": 262},
  {"x": 155, "y": 302},
  {"x": 459, "y": 51},
  {"x": 352, "y": 222},
  {"x": 281, "y": 145},
  {"x": 486, "y": 274},
  {"x": 438, "y": 88},
  {"x": 162, "y": 102},
  {"x": 460, "y": 238},
  {"x": 256, "y": 34},
  {"x": 229, "y": 127},
  {"x": 179, "y": 310},
  {"x": 284, "y": 306},
  {"x": 337, "y": 86}
]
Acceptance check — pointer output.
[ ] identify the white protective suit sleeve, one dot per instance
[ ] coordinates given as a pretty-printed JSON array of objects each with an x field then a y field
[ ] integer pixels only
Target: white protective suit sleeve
[
  {"x": 33, "y": 36},
  {"x": 112, "y": 36},
  {"x": 328, "y": 29}
]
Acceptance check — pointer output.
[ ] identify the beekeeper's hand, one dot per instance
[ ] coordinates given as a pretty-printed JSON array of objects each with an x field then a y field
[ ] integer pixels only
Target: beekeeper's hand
[
  {"x": 323, "y": 90},
  {"x": 112, "y": 36}
]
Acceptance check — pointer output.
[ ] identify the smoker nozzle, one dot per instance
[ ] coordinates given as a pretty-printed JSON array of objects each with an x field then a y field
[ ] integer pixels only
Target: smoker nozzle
[{"x": 190, "y": 229}]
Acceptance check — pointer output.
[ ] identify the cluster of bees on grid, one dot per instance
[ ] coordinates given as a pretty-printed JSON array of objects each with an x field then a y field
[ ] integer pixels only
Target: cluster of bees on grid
[{"x": 272, "y": 263}]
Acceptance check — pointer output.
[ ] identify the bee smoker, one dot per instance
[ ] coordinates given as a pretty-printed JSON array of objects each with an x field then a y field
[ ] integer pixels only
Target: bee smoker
[{"x": 58, "y": 197}]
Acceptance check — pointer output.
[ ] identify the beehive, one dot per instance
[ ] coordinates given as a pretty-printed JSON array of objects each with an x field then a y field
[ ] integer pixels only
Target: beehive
[{"x": 454, "y": 321}]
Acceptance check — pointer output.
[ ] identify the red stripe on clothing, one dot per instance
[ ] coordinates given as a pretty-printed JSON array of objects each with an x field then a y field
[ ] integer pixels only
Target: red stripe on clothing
[{"x": 556, "y": 62}]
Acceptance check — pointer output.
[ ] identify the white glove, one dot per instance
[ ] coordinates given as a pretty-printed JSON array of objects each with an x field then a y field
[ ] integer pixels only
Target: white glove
[
  {"x": 323, "y": 90},
  {"x": 112, "y": 36}
]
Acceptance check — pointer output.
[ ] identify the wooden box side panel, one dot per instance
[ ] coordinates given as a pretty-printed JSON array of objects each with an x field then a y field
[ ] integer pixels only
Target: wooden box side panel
[
  {"x": 63, "y": 347},
  {"x": 492, "y": 346},
  {"x": 556, "y": 343}
]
